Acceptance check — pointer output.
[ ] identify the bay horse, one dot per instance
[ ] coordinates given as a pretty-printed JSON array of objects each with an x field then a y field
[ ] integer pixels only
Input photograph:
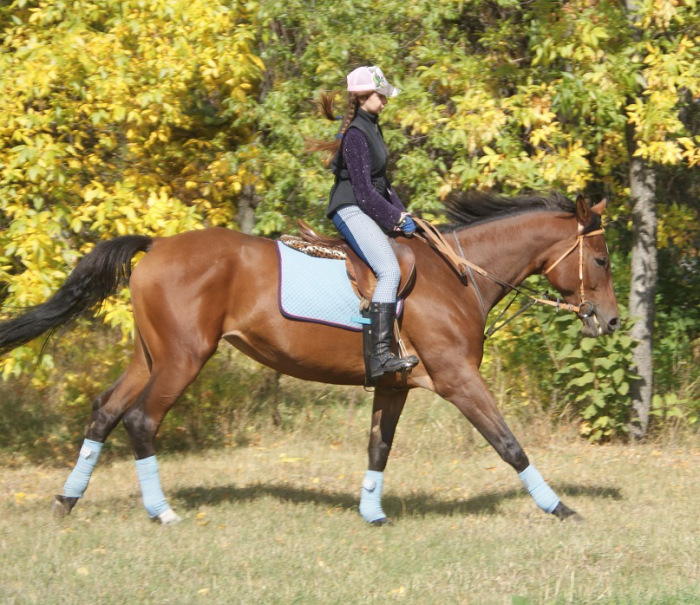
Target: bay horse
[{"x": 191, "y": 290}]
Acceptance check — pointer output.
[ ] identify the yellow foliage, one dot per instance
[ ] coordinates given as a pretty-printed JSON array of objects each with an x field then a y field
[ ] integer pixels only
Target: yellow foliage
[
  {"x": 677, "y": 227},
  {"x": 477, "y": 120},
  {"x": 660, "y": 13},
  {"x": 115, "y": 119}
]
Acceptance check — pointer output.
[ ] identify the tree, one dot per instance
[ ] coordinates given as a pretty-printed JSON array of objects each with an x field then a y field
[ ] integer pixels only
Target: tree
[
  {"x": 668, "y": 69},
  {"x": 117, "y": 117},
  {"x": 566, "y": 95}
]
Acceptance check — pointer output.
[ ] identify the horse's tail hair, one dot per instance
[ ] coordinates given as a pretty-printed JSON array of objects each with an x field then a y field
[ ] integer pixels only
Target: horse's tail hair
[{"x": 97, "y": 276}]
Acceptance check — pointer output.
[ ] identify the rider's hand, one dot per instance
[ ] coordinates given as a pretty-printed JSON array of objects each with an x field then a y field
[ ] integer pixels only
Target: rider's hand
[
  {"x": 406, "y": 225},
  {"x": 409, "y": 227}
]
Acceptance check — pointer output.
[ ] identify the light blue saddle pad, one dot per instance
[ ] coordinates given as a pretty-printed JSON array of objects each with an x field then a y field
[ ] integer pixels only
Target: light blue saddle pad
[{"x": 316, "y": 290}]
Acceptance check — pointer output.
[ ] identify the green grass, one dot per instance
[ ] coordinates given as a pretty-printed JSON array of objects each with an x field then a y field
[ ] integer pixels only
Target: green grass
[{"x": 276, "y": 522}]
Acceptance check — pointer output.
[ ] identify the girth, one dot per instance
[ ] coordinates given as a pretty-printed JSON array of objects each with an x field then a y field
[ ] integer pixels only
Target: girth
[{"x": 360, "y": 274}]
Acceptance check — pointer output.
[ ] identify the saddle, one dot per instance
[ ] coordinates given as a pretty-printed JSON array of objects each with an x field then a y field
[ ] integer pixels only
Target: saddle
[{"x": 361, "y": 276}]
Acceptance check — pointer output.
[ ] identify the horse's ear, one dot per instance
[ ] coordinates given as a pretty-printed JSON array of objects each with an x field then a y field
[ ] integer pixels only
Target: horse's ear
[
  {"x": 583, "y": 212},
  {"x": 599, "y": 208}
]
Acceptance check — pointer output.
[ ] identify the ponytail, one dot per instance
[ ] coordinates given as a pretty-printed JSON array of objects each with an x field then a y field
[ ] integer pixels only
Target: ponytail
[{"x": 325, "y": 104}]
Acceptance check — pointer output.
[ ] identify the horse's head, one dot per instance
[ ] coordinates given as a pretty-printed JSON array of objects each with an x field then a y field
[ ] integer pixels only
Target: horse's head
[{"x": 582, "y": 274}]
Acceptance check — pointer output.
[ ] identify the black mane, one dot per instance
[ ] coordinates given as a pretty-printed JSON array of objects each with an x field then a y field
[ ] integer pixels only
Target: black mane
[{"x": 466, "y": 209}]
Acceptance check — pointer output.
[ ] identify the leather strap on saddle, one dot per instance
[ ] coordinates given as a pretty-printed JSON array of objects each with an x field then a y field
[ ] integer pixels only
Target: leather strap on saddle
[
  {"x": 436, "y": 241},
  {"x": 360, "y": 274}
]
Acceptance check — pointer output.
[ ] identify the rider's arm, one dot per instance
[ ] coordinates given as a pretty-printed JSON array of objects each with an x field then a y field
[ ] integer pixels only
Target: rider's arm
[{"x": 356, "y": 155}]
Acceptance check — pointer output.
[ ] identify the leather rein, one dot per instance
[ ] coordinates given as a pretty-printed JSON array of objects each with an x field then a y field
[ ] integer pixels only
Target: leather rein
[{"x": 464, "y": 268}]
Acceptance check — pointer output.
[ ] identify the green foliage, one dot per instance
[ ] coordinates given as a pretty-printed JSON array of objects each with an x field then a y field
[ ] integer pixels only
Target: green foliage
[
  {"x": 676, "y": 401},
  {"x": 596, "y": 376},
  {"x": 43, "y": 419},
  {"x": 671, "y": 410}
]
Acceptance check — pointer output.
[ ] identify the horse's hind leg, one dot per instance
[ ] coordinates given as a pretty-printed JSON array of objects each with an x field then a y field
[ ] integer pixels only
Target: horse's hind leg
[
  {"x": 107, "y": 410},
  {"x": 142, "y": 420},
  {"x": 386, "y": 410}
]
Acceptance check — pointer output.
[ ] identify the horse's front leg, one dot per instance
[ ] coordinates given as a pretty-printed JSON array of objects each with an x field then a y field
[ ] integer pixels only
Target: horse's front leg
[
  {"x": 474, "y": 399},
  {"x": 386, "y": 410}
]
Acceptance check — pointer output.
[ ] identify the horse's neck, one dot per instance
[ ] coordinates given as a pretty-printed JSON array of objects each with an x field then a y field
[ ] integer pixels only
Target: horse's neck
[{"x": 514, "y": 248}]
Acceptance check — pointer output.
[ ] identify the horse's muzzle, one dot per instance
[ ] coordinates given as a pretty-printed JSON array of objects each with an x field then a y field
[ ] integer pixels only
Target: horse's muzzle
[{"x": 595, "y": 323}]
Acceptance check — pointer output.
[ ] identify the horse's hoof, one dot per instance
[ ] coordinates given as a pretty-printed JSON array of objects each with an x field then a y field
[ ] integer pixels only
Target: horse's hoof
[
  {"x": 384, "y": 521},
  {"x": 169, "y": 517},
  {"x": 61, "y": 506},
  {"x": 563, "y": 512}
]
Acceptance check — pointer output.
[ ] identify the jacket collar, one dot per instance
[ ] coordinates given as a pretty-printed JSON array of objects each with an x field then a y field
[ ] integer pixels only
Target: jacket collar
[{"x": 372, "y": 117}]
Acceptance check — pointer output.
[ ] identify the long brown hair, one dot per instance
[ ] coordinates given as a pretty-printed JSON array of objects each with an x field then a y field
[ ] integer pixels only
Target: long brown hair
[{"x": 325, "y": 104}]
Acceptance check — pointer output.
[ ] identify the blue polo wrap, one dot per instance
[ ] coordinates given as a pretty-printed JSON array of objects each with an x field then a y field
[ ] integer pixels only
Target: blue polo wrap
[
  {"x": 371, "y": 498},
  {"x": 153, "y": 496},
  {"x": 78, "y": 480},
  {"x": 543, "y": 495}
]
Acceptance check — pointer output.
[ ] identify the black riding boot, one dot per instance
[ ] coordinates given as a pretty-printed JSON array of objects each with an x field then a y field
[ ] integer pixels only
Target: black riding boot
[{"x": 382, "y": 360}]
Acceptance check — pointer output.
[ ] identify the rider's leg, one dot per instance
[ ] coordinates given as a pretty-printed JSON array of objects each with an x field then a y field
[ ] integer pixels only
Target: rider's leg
[{"x": 371, "y": 243}]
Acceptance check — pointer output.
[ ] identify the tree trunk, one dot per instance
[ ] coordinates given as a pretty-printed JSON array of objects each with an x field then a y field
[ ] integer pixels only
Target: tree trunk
[
  {"x": 642, "y": 290},
  {"x": 246, "y": 209},
  {"x": 643, "y": 275}
]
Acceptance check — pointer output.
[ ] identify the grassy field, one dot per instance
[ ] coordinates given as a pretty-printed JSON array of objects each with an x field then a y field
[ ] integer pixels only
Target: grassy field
[{"x": 276, "y": 522}]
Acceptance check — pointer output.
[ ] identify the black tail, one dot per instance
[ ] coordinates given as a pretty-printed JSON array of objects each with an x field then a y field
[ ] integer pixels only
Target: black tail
[{"x": 96, "y": 277}]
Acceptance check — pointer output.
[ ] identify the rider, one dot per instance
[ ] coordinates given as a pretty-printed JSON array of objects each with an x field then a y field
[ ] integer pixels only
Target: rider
[{"x": 364, "y": 207}]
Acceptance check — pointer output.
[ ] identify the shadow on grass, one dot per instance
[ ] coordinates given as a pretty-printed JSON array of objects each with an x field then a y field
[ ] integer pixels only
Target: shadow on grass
[
  {"x": 588, "y": 491},
  {"x": 416, "y": 504}
]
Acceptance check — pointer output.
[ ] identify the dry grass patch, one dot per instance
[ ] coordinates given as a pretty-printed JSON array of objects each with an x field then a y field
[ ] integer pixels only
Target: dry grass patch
[{"x": 276, "y": 522}]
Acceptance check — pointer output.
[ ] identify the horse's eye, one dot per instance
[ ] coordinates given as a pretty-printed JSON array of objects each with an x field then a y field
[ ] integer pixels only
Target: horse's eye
[{"x": 601, "y": 262}]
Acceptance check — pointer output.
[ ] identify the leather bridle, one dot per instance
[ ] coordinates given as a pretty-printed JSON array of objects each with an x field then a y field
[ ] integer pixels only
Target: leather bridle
[
  {"x": 464, "y": 268},
  {"x": 578, "y": 243}
]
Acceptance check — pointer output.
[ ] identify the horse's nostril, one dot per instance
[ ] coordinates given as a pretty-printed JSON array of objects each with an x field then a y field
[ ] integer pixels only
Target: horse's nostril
[{"x": 614, "y": 323}]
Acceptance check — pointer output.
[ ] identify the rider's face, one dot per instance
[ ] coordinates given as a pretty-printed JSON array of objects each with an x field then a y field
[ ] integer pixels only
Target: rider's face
[{"x": 374, "y": 103}]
